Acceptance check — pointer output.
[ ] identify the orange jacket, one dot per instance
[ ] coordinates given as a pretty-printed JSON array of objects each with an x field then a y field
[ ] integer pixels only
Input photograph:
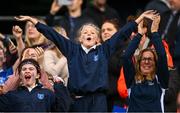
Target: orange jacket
[{"x": 121, "y": 85}]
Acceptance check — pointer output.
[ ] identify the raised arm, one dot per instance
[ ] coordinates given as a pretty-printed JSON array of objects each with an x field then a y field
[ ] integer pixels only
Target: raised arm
[
  {"x": 64, "y": 45},
  {"x": 129, "y": 69},
  {"x": 17, "y": 32},
  {"x": 55, "y": 7},
  {"x": 162, "y": 68},
  {"x": 125, "y": 32}
]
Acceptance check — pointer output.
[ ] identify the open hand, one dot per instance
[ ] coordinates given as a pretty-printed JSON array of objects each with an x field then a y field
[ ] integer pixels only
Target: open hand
[
  {"x": 155, "y": 23},
  {"x": 26, "y": 18}
]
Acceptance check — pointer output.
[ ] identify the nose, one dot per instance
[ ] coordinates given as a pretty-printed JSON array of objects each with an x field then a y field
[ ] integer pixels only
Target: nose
[{"x": 146, "y": 60}]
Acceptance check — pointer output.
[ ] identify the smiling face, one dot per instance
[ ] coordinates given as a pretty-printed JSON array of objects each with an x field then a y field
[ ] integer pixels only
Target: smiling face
[
  {"x": 107, "y": 30},
  {"x": 89, "y": 35},
  {"x": 147, "y": 63}
]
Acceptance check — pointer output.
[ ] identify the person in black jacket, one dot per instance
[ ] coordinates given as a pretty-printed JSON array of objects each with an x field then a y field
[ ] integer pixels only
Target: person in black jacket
[
  {"x": 169, "y": 25},
  {"x": 99, "y": 11},
  {"x": 31, "y": 96},
  {"x": 71, "y": 21}
]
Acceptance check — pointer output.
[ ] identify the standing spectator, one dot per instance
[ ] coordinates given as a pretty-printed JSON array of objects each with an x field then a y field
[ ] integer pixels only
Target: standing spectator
[
  {"x": 147, "y": 78},
  {"x": 169, "y": 23},
  {"x": 55, "y": 63},
  {"x": 71, "y": 21},
  {"x": 33, "y": 37},
  {"x": 114, "y": 101},
  {"x": 88, "y": 61},
  {"x": 159, "y": 5},
  {"x": 99, "y": 11}
]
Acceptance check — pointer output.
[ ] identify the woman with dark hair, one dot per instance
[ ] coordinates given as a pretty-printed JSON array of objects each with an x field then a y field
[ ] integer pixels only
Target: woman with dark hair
[
  {"x": 149, "y": 77},
  {"x": 31, "y": 96}
]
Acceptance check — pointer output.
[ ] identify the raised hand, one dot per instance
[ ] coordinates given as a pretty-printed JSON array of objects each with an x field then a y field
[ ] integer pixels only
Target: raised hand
[
  {"x": 26, "y": 18},
  {"x": 39, "y": 51},
  {"x": 12, "y": 48},
  {"x": 17, "y": 31},
  {"x": 142, "y": 30},
  {"x": 55, "y": 7},
  {"x": 147, "y": 14},
  {"x": 155, "y": 23}
]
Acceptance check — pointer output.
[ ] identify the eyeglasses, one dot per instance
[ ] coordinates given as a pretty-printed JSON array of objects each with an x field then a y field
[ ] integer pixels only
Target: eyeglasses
[{"x": 149, "y": 59}]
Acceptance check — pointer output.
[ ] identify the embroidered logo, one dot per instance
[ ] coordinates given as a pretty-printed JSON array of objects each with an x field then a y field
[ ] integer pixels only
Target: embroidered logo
[
  {"x": 150, "y": 83},
  {"x": 96, "y": 57},
  {"x": 2, "y": 80},
  {"x": 40, "y": 96}
]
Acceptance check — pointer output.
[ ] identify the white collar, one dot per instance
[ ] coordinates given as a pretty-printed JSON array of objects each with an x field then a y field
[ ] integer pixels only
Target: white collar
[
  {"x": 30, "y": 88},
  {"x": 1, "y": 70},
  {"x": 86, "y": 49}
]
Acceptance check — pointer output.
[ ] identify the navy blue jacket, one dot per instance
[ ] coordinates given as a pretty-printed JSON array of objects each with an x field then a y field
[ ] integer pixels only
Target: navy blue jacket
[
  {"x": 87, "y": 72},
  {"x": 146, "y": 96},
  {"x": 38, "y": 100}
]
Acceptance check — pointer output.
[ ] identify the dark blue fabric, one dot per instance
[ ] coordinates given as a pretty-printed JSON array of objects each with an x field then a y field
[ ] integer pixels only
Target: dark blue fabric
[
  {"x": 38, "y": 100},
  {"x": 90, "y": 103},
  {"x": 21, "y": 100},
  {"x": 145, "y": 96},
  {"x": 87, "y": 72}
]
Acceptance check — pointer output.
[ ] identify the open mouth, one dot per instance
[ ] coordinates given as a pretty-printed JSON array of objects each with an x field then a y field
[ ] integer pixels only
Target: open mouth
[
  {"x": 27, "y": 77},
  {"x": 89, "y": 38}
]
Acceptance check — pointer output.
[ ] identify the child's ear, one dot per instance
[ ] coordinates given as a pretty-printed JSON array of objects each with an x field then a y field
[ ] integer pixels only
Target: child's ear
[{"x": 80, "y": 39}]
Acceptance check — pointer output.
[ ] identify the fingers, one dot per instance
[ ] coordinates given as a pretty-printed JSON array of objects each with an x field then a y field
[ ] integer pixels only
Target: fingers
[
  {"x": 18, "y": 18},
  {"x": 150, "y": 14},
  {"x": 2, "y": 36},
  {"x": 12, "y": 49},
  {"x": 156, "y": 16},
  {"x": 39, "y": 51},
  {"x": 17, "y": 29},
  {"x": 149, "y": 11},
  {"x": 22, "y": 18}
]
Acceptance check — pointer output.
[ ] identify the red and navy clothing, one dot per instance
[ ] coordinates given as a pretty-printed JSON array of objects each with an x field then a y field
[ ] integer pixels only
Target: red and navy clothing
[{"x": 146, "y": 96}]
